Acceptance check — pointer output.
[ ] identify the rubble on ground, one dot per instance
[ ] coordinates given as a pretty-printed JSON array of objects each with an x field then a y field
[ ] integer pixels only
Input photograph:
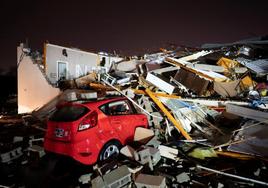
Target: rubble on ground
[{"x": 207, "y": 111}]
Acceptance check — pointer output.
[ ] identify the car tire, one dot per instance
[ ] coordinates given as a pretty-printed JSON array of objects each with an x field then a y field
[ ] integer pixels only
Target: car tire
[{"x": 110, "y": 149}]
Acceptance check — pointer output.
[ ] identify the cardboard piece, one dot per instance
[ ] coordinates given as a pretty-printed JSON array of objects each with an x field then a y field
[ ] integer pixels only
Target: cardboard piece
[{"x": 227, "y": 89}]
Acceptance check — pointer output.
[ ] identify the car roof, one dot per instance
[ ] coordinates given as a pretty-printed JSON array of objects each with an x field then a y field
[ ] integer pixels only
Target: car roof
[
  {"x": 106, "y": 100},
  {"x": 100, "y": 101},
  {"x": 96, "y": 102}
]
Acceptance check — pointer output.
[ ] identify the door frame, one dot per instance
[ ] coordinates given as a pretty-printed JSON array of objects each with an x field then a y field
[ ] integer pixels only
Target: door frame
[{"x": 67, "y": 69}]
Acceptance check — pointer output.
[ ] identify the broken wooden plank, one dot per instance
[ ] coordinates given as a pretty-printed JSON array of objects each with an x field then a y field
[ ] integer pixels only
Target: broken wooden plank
[
  {"x": 10, "y": 120},
  {"x": 160, "y": 82},
  {"x": 247, "y": 112},
  {"x": 168, "y": 152},
  {"x": 168, "y": 114},
  {"x": 97, "y": 86},
  {"x": 175, "y": 62},
  {"x": 166, "y": 69},
  {"x": 235, "y": 155},
  {"x": 141, "y": 92}
]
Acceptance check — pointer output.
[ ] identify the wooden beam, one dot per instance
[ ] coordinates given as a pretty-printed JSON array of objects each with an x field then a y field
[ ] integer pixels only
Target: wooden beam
[
  {"x": 176, "y": 63},
  {"x": 235, "y": 155},
  {"x": 168, "y": 114},
  {"x": 98, "y": 86},
  {"x": 141, "y": 92}
]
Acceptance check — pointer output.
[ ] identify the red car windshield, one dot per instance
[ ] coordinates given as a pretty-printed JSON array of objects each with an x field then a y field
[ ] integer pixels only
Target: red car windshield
[{"x": 69, "y": 113}]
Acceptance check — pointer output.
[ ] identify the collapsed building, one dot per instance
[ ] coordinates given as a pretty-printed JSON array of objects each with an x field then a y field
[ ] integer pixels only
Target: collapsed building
[
  {"x": 206, "y": 108},
  {"x": 44, "y": 71}
]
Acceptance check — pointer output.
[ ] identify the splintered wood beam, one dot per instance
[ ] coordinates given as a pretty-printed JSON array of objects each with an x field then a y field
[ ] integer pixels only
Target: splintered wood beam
[
  {"x": 100, "y": 87},
  {"x": 173, "y": 62},
  {"x": 235, "y": 155},
  {"x": 141, "y": 92},
  {"x": 168, "y": 114}
]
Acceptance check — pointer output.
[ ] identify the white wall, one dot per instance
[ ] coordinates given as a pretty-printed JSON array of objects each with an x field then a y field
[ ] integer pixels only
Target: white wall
[
  {"x": 78, "y": 62},
  {"x": 33, "y": 89}
]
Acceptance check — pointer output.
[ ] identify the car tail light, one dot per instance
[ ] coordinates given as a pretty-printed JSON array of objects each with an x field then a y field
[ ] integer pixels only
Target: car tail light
[{"x": 90, "y": 121}]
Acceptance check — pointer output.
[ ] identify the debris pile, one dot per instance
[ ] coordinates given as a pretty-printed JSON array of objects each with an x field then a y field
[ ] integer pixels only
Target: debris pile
[{"x": 206, "y": 108}]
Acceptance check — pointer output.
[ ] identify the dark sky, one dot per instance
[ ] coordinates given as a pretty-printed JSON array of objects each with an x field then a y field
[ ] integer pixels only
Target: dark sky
[{"x": 129, "y": 27}]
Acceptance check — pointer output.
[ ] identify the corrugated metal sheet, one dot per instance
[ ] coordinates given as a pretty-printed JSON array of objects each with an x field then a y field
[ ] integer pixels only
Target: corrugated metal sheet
[{"x": 259, "y": 66}]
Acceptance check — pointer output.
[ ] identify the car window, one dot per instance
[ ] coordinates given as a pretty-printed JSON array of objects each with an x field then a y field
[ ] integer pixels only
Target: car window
[
  {"x": 116, "y": 108},
  {"x": 68, "y": 113},
  {"x": 105, "y": 109}
]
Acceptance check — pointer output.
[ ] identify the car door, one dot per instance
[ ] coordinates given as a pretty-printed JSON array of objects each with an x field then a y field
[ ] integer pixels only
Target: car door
[{"x": 123, "y": 119}]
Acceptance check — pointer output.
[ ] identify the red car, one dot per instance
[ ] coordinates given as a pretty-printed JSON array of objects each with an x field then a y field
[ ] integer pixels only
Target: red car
[{"x": 92, "y": 131}]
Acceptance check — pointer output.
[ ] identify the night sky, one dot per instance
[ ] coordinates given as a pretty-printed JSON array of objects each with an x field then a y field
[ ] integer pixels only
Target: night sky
[{"x": 128, "y": 27}]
